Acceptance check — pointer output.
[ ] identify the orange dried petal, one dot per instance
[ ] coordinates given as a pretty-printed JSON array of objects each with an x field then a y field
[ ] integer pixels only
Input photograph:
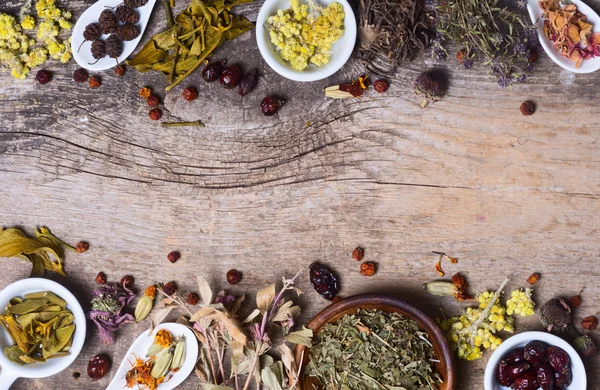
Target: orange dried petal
[
  {"x": 533, "y": 278},
  {"x": 438, "y": 267}
]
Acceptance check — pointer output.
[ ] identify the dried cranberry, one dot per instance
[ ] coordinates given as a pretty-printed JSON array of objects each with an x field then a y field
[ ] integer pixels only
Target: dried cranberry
[
  {"x": 248, "y": 82},
  {"x": 190, "y": 94},
  {"x": 562, "y": 380},
  {"x": 558, "y": 359},
  {"x": 234, "y": 276},
  {"x": 173, "y": 256},
  {"x": 80, "y": 75},
  {"x": 213, "y": 71},
  {"x": 517, "y": 355},
  {"x": 152, "y": 101},
  {"x": 170, "y": 288},
  {"x": 535, "y": 352},
  {"x": 231, "y": 76},
  {"x": 358, "y": 253},
  {"x": 127, "y": 281},
  {"x": 270, "y": 105},
  {"x": 323, "y": 281},
  {"x": 98, "y": 366},
  {"x": 95, "y": 82},
  {"x": 100, "y": 278},
  {"x": 589, "y": 323},
  {"x": 380, "y": 85},
  {"x": 527, "y": 108},
  {"x": 120, "y": 70},
  {"x": 526, "y": 382},
  {"x": 43, "y": 76},
  {"x": 545, "y": 376},
  {"x": 502, "y": 374},
  {"x": 155, "y": 114},
  {"x": 192, "y": 299},
  {"x": 82, "y": 246}
]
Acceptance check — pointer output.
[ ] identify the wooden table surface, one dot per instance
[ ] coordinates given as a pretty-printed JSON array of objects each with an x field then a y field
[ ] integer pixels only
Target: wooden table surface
[{"x": 469, "y": 175}]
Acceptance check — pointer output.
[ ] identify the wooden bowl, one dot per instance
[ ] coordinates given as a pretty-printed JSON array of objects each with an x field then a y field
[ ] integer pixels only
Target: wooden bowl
[{"x": 446, "y": 366}]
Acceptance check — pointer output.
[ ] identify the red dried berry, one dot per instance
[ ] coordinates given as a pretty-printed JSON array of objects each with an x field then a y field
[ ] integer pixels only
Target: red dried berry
[
  {"x": 98, "y": 366},
  {"x": 80, "y": 75},
  {"x": 213, "y": 71},
  {"x": 155, "y": 114},
  {"x": 82, "y": 246},
  {"x": 270, "y": 105},
  {"x": 170, "y": 288},
  {"x": 367, "y": 269},
  {"x": 575, "y": 301},
  {"x": 234, "y": 276},
  {"x": 358, "y": 253},
  {"x": 533, "y": 55},
  {"x": 323, "y": 281},
  {"x": 152, "y": 101},
  {"x": 558, "y": 358},
  {"x": 248, "y": 82},
  {"x": 190, "y": 94},
  {"x": 589, "y": 323},
  {"x": 95, "y": 82},
  {"x": 127, "y": 281},
  {"x": 43, "y": 76},
  {"x": 120, "y": 70},
  {"x": 231, "y": 76},
  {"x": 527, "y": 108},
  {"x": 381, "y": 85},
  {"x": 535, "y": 352},
  {"x": 100, "y": 278},
  {"x": 174, "y": 256},
  {"x": 193, "y": 299}
]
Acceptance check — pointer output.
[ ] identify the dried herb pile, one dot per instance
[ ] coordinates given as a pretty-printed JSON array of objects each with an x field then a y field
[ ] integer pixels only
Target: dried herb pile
[
  {"x": 371, "y": 350},
  {"x": 485, "y": 32},
  {"x": 191, "y": 37},
  {"x": 391, "y": 32},
  {"x": 40, "y": 327}
]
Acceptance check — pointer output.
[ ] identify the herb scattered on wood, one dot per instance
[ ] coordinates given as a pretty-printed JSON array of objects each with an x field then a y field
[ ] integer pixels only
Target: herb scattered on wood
[
  {"x": 108, "y": 305},
  {"x": 373, "y": 349},
  {"x": 40, "y": 327},
  {"x": 438, "y": 266},
  {"x": 195, "y": 34},
  {"x": 485, "y": 32},
  {"x": 391, "y": 32},
  {"x": 457, "y": 288}
]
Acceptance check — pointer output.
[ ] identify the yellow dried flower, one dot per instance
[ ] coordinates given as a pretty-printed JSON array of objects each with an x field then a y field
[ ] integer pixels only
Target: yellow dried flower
[
  {"x": 163, "y": 338},
  {"x": 28, "y": 22},
  {"x": 150, "y": 291}
]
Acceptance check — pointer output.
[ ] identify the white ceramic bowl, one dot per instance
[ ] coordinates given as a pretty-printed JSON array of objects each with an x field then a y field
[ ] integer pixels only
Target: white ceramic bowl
[
  {"x": 341, "y": 49},
  {"x": 519, "y": 340},
  {"x": 11, "y": 371}
]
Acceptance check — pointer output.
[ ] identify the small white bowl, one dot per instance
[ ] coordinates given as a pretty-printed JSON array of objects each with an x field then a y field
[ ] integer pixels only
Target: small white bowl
[
  {"x": 519, "y": 340},
  {"x": 341, "y": 49},
  {"x": 11, "y": 371}
]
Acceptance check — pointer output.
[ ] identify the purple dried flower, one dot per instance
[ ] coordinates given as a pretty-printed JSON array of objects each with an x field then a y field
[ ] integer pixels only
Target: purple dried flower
[
  {"x": 522, "y": 4},
  {"x": 468, "y": 64},
  {"x": 439, "y": 54},
  {"x": 107, "y": 304},
  {"x": 430, "y": 87},
  {"x": 521, "y": 79},
  {"x": 521, "y": 49},
  {"x": 504, "y": 81}
]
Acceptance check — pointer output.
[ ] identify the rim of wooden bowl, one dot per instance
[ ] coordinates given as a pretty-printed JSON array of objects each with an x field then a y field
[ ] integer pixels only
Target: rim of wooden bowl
[{"x": 447, "y": 366}]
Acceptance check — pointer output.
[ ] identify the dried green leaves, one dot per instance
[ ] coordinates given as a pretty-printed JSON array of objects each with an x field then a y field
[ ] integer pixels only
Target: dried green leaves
[
  {"x": 40, "y": 327},
  {"x": 373, "y": 349},
  {"x": 193, "y": 36},
  {"x": 39, "y": 250}
]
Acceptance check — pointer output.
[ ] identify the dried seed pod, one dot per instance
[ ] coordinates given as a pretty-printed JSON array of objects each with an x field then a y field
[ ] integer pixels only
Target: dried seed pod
[
  {"x": 233, "y": 276},
  {"x": 173, "y": 256},
  {"x": 555, "y": 315},
  {"x": 128, "y": 32},
  {"x": 585, "y": 346},
  {"x": 98, "y": 50},
  {"x": 429, "y": 86},
  {"x": 114, "y": 47},
  {"x": 192, "y": 299},
  {"x": 91, "y": 32},
  {"x": 126, "y": 14},
  {"x": 135, "y": 3},
  {"x": 108, "y": 21}
]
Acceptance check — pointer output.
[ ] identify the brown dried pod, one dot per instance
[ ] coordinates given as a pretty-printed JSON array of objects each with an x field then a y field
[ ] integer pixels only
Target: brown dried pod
[
  {"x": 135, "y": 3},
  {"x": 248, "y": 82},
  {"x": 173, "y": 256},
  {"x": 555, "y": 315},
  {"x": 108, "y": 21},
  {"x": 128, "y": 32},
  {"x": 585, "y": 346},
  {"x": 589, "y": 323},
  {"x": 170, "y": 288},
  {"x": 127, "y": 281},
  {"x": 575, "y": 300},
  {"x": 114, "y": 47},
  {"x": 126, "y": 14},
  {"x": 98, "y": 50},
  {"x": 91, "y": 32},
  {"x": 381, "y": 85}
]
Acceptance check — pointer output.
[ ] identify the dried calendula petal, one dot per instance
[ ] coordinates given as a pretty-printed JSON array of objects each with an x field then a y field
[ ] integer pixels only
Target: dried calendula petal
[
  {"x": 145, "y": 304},
  {"x": 145, "y": 92},
  {"x": 438, "y": 266},
  {"x": 533, "y": 278}
]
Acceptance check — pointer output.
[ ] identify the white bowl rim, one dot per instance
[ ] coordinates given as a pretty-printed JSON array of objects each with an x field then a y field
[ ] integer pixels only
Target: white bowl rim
[
  {"x": 348, "y": 40},
  {"x": 40, "y": 370},
  {"x": 520, "y": 339}
]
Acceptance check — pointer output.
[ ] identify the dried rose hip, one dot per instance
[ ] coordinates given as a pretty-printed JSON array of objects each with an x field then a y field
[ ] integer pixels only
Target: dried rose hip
[
  {"x": 559, "y": 360},
  {"x": 127, "y": 281},
  {"x": 213, "y": 71},
  {"x": 120, "y": 70},
  {"x": 517, "y": 355},
  {"x": 43, "y": 76},
  {"x": 575, "y": 301},
  {"x": 173, "y": 256},
  {"x": 367, "y": 269},
  {"x": 270, "y": 105},
  {"x": 170, "y": 288},
  {"x": 155, "y": 114},
  {"x": 527, "y": 382},
  {"x": 380, "y": 85},
  {"x": 190, "y": 94},
  {"x": 589, "y": 323},
  {"x": 100, "y": 278},
  {"x": 98, "y": 366},
  {"x": 82, "y": 246},
  {"x": 562, "y": 380},
  {"x": 234, "y": 276},
  {"x": 192, "y": 299},
  {"x": 248, "y": 82},
  {"x": 527, "y": 108},
  {"x": 80, "y": 75},
  {"x": 535, "y": 352},
  {"x": 544, "y": 376},
  {"x": 95, "y": 82},
  {"x": 152, "y": 101},
  {"x": 231, "y": 76},
  {"x": 323, "y": 281},
  {"x": 358, "y": 253}
]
